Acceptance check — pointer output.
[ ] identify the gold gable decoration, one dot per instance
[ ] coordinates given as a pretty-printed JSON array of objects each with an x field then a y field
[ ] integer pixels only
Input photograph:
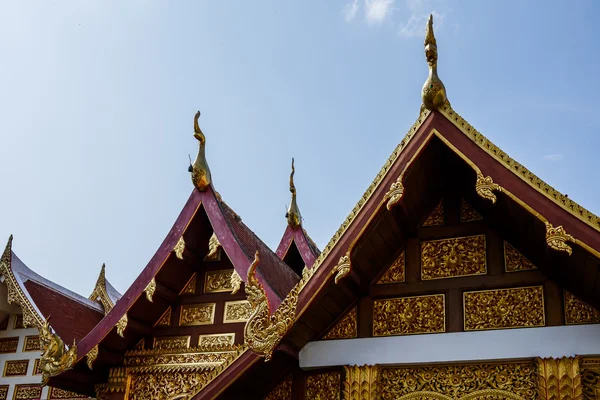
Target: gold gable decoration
[
  {"x": 436, "y": 217},
  {"x": 214, "y": 249},
  {"x": 468, "y": 213},
  {"x": 283, "y": 391},
  {"x": 325, "y": 385},
  {"x": 190, "y": 286},
  {"x": 165, "y": 319},
  {"x": 345, "y": 328},
  {"x": 579, "y": 312},
  {"x": 559, "y": 378},
  {"x": 454, "y": 257},
  {"x": 515, "y": 261},
  {"x": 409, "y": 315},
  {"x": 361, "y": 382},
  {"x": 56, "y": 356},
  {"x": 396, "y": 272},
  {"x": 99, "y": 294}
]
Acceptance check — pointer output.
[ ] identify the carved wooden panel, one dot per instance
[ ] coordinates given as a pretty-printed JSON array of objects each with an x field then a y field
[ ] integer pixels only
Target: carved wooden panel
[
  {"x": 436, "y": 217},
  {"x": 218, "y": 281},
  {"x": 237, "y": 311},
  {"x": 326, "y": 385},
  {"x": 172, "y": 342},
  {"x": 455, "y": 257},
  {"x": 515, "y": 261},
  {"x": 27, "y": 392},
  {"x": 409, "y": 315},
  {"x": 3, "y": 392},
  {"x": 197, "y": 314},
  {"x": 513, "y": 381},
  {"x": 468, "y": 213},
  {"x": 504, "y": 308},
  {"x": 165, "y": 319},
  {"x": 345, "y": 328},
  {"x": 9, "y": 345},
  {"x": 579, "y": 312},
  {"x": 590, "y": 377},
  {"x": 283, "y": 391},
  {"x": 190, "y": 286},
  {"x": 4, "y": 324},
  {"x": 559, "y": 378},
  {"x": 217, "y": 339},
  {"x": 32, "y": 343},
  {"x": 57, "y": 394},
  {"x": 15, "y": 368},
  {"x": 36, "y": 367},
  {"x": 18, "y": 324},
  {"x": 396, "y": 272}
]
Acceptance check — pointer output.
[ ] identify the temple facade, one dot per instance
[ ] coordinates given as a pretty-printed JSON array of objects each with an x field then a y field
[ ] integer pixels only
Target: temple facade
[{"x": 459, "y": 274}]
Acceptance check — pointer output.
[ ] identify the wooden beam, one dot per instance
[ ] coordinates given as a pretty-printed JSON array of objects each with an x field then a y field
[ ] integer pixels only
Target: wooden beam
[{"x": 166, "y": 293}]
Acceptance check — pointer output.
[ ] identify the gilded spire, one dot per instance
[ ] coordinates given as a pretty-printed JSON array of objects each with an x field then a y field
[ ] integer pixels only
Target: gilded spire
[
  {"x": 293, "y": 214},
  {"x": 6, "y": 255},
  {"x": 434, "y": 92},
  {"x": 200, "y": 171}
]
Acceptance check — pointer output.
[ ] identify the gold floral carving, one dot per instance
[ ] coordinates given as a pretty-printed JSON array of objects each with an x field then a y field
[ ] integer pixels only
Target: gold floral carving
[
  {"x": 150, "y": 289},
  {"x": 56, "y": 356},
  {"x": 91, "y": 356},
  {"x": 36, "y": 367},
  {"x": 515, "y": 381},
  {"x": 179, "y": 248},
  {"x": 197, "y": 314},
  {"x": 27, "y": 392},
  {"x": 450, "y": 258},
  {"x": 3, "y": 392},
  {"x": 519, "y": 170},
  {"x": 283, "y": 391},
  {"x": 515, "y": 261},
  {"x": 409, "y": 315},
  {"x": 214, "y": 249},
  {"x": 117, "y": 383},
  {"x": 218, "y": 281},
  {"x": 485, "y": 186},
  {"x": 361, "y": 382},
  {"x": 395, "y": 273},
  {"x": 394, "y": 194},
  {"x": 557, "y": 238},
  {"x": 165, "y": 319},
  {"x": 559, "y": 379},
  {"x": 32, "y": 343},
  {"x": 504, "y": 308},
  {"x": 55, "y": 393},
  {"x": 100, "y": 294},
  {"x": 141, "y": 345},
  {"x": 468, "y": 213},
  {"x": 166, "y": 385},
  {"x": 590, "y": 376},
  {"x": 15, "y": 367},
  {"x": 264, "y": 331},
  {"x": 236, "y": 282},
  {"x": 436, "y": 217},
  {"x": 218, "y": 339},
  {"x": 9, "y": 345},
  {"x": 579, "y": 312},
  {"x": 325, "y": 385},
  {"x": 4, "y": 325},
  {"x": 237, "y": 311},
  {"x": 342, "y": 268},
  {"x": 345, "y": 328},
  {"x": 19, "y": 322},
  {"x": 31, "y": 317},
  {"x": 190, "y": 286},
  {"x": 121, "y": 325},
  {"x": 172, "y": 342}
]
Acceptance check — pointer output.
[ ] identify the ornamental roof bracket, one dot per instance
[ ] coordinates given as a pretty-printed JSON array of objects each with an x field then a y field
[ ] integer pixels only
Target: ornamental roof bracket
[
  {"x": 434, "y": 92},
  {"x": 199, "y": 170},
  {"x": 100, "y": 294},
  {"x": 293, "y": 213}
]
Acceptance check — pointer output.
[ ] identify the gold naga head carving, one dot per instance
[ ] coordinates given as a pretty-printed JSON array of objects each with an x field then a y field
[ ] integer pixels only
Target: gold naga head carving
[
  {"x": 434, "y": 92},
  {"x": 293, "y": 213},
  {"x": 199, "y": 170}
]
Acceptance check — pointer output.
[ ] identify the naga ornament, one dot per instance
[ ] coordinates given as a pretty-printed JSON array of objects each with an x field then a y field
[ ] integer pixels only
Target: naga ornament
[{"x": 56, "y": 357}]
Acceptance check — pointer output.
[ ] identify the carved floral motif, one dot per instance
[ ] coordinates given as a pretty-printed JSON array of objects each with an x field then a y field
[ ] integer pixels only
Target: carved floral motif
[
  {"x": 27, "y": 392},
  {"x": 99, "y": 294},
  {"x": 394, "y": 194},
  {"x": 179, "y": 248},
  {"x": 3, "y": 392},
  {"x": 590, "y": 376},
  {"x": 579, "y": 312},
  {"x": 409, "y": 315},
  {"x": 165, "y": 319},
  {"x": 449, "y": 258},
  {"x": 15, "y": 367},
  {"x": 150, "y": 289},
  {"x": 345, "y": 328},
  {"x": 197, "y": 314},
  {"x": 436, "y": 217},
  {"x": 167, "y": 385},
  {"x": 489, "y": 381},
  {"x": 504, "y": 308},
  {"x": 361, "y": 382},
  {"x": 218, "y": 281},
  {"x": 56, "y": 357},
  {"x": 515, "y": 261},
  {"x": 325, "y": 385},
  {"x": 557, "y": 238},
  {"x": 219, "y": 339},
  {"x": 283, "y": 391},
  {"x": 485, "y": 186},
  {"x": 237, "y": 311},
  {"x": 214, "y": 249},
  {"x": 9, "y": 345},
  {"x": 559, "y": 378},
  {"x": 190, "y": 286},
  {"x": 468, "y": 213},
  {"x": 91, "y": 356},
  {"x": 32, "y": 343},
  {"x": 342, "y": 268},
  {"x": 172, "y": 342},
  {"x": 57, "y": 394},
  {"x": 236, "y": 282},
  {"x": 396, "y": 272},
  {"x": 121, "y": 325}
]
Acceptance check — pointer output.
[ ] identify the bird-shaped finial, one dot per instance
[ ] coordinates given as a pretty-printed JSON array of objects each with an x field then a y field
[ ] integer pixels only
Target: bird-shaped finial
[
  {"x": 434, "y": 92},
  {"x": 293, "y": 214},
  {"x": 200, "y": 171}
]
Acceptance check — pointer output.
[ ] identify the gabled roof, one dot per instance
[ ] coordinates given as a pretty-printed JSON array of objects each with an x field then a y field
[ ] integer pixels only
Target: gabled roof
[{"x": 40, "y": 299}]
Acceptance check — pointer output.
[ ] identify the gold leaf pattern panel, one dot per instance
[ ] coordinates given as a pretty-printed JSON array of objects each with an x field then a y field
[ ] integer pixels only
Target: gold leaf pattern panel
[
  {"x": 9, "y": 345},
  {"x": 345, "y": 328},
  {"x": 590, "y": 376},
  {"x": 32, "y": 343},
  {"x": 218, "y": 339},
  {"x": 436, "y": 217},
  {"x": 190, "y": 286},
  {"x": 326, "y": 385},
  {"x": 579, "y": 312},
  {"x": 396, "y": 272},
  {"x": 237, "y": 311},
  {"x": 172, "y": 342},
  {"x": 56, "y": 394},
  {"x": 197, "y": 314},
  {"x": 450, "y": 258},
  {"x": 515, "y": 261},
  {"x": 283, "y": 391},
  {"x": 165, "y": 319},
  {"x": 468, "y": 213},
  {"x": 4, "y": 392},
  {"x": 218, "y": 281},
  {"x": 409, "y": 315},
  {"x": 504, "y": 308},
  {"x": 27, "y": 392},
  {"x": 15, "y": 367},
  {"x": 498, "y": 381},
  {"x": 559, "y": 378}
]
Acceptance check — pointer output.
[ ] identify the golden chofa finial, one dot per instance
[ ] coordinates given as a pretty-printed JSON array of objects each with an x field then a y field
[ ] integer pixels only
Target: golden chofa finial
[
  {"x": 200, "y": 171},
  {"x": 293, "y": 214},
  {"x": 434, "y": 92}
]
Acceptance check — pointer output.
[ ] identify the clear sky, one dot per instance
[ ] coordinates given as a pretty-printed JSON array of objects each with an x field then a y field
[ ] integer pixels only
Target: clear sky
[{"x": 98, "y": 98}]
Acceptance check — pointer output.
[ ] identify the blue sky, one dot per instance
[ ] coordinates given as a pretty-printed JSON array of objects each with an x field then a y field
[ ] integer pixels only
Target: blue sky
[{"x": 98, "y": 100}]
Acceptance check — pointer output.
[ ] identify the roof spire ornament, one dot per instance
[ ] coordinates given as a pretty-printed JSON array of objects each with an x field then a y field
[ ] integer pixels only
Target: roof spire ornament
[
  {"x": 200, "y": 171},
  {"x": 293, "y": 214},
  {"x": 434, "y": 92}
]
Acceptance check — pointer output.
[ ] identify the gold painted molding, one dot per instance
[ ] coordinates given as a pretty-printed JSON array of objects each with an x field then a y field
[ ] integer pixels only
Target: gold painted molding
[
  {"x": 559, "y": 378},
  {"x": 360, "y": 382}
]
